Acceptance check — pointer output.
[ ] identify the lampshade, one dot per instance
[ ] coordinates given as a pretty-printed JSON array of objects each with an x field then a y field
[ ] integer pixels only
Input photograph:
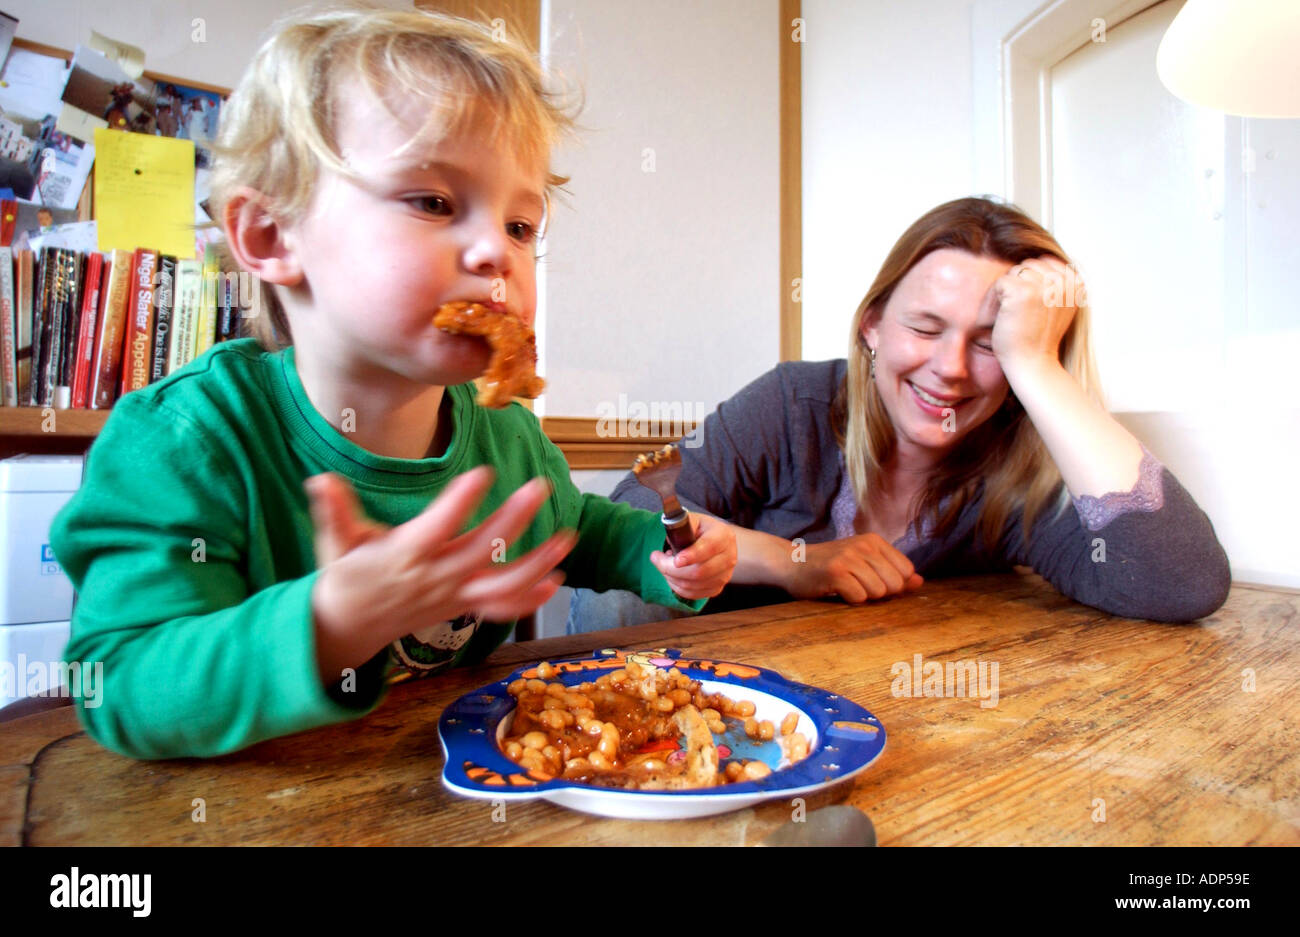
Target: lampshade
[{"x": 1237, "y": 56}]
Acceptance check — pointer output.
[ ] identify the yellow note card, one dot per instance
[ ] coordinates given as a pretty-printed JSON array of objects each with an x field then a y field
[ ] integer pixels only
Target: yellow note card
[{"x": 144, "y": 192}]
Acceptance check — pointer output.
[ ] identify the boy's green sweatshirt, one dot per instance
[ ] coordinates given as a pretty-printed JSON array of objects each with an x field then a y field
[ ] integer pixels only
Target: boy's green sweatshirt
[{"x": 190, "y": 545}]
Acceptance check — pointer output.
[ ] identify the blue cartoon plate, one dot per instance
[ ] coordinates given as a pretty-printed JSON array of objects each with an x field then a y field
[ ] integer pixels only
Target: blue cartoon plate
[{"x": 843, "y": 740}]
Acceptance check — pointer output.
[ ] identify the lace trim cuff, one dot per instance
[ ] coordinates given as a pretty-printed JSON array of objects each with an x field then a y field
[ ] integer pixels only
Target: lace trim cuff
[{"x": 1147, "y": 495}]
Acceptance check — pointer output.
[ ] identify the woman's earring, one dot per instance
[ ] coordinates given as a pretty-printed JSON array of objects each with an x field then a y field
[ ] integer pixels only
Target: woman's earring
[{"x": 873, "y": 364}]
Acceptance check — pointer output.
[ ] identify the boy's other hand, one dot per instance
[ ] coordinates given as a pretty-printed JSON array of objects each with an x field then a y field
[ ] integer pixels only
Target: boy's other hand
[{"x": 705, "y": 567}]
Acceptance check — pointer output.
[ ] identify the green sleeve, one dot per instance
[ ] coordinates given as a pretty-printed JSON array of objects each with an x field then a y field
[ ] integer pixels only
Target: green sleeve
[
  {"x": 197, "y": 661},
  {"x": 614, "y": 540}
]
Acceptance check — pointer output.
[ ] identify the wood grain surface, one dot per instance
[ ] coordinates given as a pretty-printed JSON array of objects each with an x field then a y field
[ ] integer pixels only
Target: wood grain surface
[{"x": 1106, "y": 731}]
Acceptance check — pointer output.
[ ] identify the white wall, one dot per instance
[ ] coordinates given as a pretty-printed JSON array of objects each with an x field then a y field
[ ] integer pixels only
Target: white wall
[
  {"x": 887, "y": 135},
  {"x": 664, "y": 285},
  {"x": 166, "y": 30}
]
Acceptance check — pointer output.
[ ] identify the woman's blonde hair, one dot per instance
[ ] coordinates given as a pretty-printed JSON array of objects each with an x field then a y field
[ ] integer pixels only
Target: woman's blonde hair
[
  {"x": 278, "y": 129},
  {"x": 1004, "y": 455}
]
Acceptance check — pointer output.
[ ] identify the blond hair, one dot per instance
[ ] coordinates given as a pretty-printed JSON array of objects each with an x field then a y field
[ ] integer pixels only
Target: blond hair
[
  {"x": 279, "y": 128},
  {"x": 1005, "y": 455}
]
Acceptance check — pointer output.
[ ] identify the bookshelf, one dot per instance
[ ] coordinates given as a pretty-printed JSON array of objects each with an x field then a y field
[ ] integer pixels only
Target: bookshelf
[
  {"x": 46, "y": 430},
  {"x": 28, "y": 429}
]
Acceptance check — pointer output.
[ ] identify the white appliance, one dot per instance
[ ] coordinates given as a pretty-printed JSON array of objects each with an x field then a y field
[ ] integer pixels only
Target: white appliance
[{"x": 35, "y": 595}]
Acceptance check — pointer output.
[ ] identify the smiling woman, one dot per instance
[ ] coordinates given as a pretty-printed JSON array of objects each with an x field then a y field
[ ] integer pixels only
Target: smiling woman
[{"x": 965, "y": 433}]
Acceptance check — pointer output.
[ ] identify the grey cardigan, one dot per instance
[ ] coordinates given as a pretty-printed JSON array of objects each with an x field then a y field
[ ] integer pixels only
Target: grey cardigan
[{"x": 767, "y": 460}]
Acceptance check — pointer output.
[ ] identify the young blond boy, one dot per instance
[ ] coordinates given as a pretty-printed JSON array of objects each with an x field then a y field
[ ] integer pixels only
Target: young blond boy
[{"x": 372, "y": 165}]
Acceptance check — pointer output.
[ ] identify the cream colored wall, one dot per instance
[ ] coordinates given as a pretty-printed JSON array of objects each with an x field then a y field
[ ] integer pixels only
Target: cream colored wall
[
  {"x": 663, "y": 285},
  {"x": 887, "y": 135}
]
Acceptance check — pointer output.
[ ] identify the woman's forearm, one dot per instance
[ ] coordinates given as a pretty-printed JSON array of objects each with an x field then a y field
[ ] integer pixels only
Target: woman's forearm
[
  {"x": 1095, "y": 454},
  {"x": 764, "y": 559}
]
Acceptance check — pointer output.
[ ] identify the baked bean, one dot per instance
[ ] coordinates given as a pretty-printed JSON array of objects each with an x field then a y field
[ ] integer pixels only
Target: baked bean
[
  {"x": 551, "y": 719},
  {"x": 536, "y": 686},
  {"x": 664, "y": 704},
  {"x": 718, "y": 727},
  {"x": 517, "y": 686},
  {"x": 766, "y": 731},
  {"x": 744, "y": 708},
  {"x": 608, "y": 744},
  {"x": 751, "y": 727},
  {"x": 535, "y": 740},
  {"x": 755, "y": 770},
  {"x": 545, "y": 670},
  {"x": 514, "y": 750},
  {"x": 789, "y": 723}
]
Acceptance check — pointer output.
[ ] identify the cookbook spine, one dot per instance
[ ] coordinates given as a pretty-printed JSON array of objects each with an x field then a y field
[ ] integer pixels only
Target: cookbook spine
[
  {"x": 25, "y": 275},
  {"x": 63, "y": 270},
  {"x": 229, "y": 327},
  {"x": 135, "y": 370},
  {"x": 76, "y": 269},
  {"x": 8, "y": 328},
  {"x": 111, "y": 341},
  {"x": 40, "y": 325},
  {"x": 205, "y": 333},
  {"x": 164, "y": 304},
  {"x": 189, "y": 275},
  {"x": 90, "y": 306}
]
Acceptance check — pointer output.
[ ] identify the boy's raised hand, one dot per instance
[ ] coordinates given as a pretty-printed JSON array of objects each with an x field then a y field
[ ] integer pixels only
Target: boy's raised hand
[
  {"x": 377, "y": 583},
  {"x": 702, "y": 569}
]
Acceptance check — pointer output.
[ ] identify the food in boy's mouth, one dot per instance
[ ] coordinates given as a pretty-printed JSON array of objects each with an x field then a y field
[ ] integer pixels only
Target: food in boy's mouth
[
  {"x": 512, "y": 370},
  {"x": 641, "y": 728}
]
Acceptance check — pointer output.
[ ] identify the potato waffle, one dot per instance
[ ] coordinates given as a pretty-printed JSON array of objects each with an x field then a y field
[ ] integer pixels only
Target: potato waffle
[{"x": 512, "y": 370}]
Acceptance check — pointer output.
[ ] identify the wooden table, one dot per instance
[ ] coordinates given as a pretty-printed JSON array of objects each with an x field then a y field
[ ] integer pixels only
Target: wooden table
[{"x": 1105, "y": 731}]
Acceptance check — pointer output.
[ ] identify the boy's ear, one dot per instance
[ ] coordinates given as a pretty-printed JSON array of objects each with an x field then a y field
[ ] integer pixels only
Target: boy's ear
[{"x": 259, "y": 242}]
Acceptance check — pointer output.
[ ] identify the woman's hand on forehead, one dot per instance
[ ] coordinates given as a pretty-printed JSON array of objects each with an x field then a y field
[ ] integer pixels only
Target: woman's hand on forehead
[{"x": 1036, "y": 301}]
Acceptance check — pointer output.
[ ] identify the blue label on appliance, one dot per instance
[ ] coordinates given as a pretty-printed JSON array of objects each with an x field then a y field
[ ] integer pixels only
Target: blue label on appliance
[{"x": 49, "y": 563}]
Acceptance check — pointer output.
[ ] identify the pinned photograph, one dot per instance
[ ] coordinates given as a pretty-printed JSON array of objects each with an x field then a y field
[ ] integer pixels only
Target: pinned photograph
[
  {"x": 187, "y": 114},
  {"x": 98, "y": 94}
]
